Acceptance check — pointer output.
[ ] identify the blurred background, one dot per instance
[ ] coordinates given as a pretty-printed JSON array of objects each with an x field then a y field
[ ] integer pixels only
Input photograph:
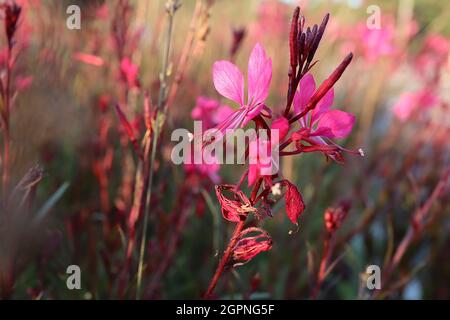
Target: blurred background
[{"x": 66, "y": 83}]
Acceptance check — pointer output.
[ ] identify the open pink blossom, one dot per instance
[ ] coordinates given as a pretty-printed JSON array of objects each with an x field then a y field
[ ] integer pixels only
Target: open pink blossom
[
  {"x": 322, "y": 121},
  {"x": 229, "y": 82},
  {"x": 261, "y": 161}
]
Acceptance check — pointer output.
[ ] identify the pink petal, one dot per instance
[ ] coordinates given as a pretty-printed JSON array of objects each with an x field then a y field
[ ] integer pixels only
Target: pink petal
[
  {"x": 307, "y": 87},
  {"x": 323, "y": 106},
  {"x": 335, "y": 124},
  {"x": 229, "y": 81},
  {"x": 252, "y": 113},
  {"x": 259, "y": 75}
]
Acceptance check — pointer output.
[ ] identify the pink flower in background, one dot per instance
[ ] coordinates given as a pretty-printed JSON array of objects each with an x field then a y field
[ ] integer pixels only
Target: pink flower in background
[
  {"x": 271, "y": 20},
  {"x": 376, "y": 42},
  {"x": 411, "y": 102},
  {"x": 129, "y": 72},
  {"x": 210, "y": 112},
  {"x": 322, "y": 122},
  {"x": 209, "y": 168},
  {"x": 260, "y": 151},
  {"x": 248, "y": 247},
  {"x": 294, "y": 202},
  {"x": 102, "y": 12},
  {"x": 229, "y": 82},
  {"x": 371, "y": 44}
]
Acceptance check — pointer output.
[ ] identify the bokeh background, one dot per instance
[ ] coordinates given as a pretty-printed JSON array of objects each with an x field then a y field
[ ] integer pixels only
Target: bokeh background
[{"x": 64, "y": 120}]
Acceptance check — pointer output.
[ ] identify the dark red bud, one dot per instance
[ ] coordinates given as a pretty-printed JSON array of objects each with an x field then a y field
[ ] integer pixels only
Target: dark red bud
[{"x": 293, "y": 45}]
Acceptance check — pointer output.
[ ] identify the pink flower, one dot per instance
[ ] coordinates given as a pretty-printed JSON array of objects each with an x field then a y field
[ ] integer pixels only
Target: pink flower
[
  {"x": 234, "y": 203},
  {"x": 209, "y": 168},
  {"x": 248, "y": 247},
  {"x": 129, "y": 72},
  {"x": 410, "y": 102},
  {"x": 261, "y": 161},
  {"x": 210, "y": 112},
  {"x": 229, "y": 82},
  {"x": 322, "y": 122}
]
